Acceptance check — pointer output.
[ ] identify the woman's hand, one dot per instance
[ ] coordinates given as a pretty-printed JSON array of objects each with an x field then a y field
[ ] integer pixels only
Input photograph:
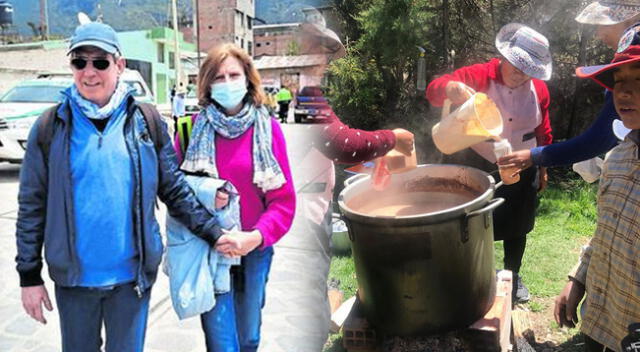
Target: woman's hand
[
  {"x": 228, "y": 245},
  {"x": 238, "y": 243},
  {"x": 565, "y": 311},
  {"x": 520, "y": 160},
  {"x": 404, "y": 141},
  {"x": 222, "y": 199},
  {"x": 458, "y": 92}
]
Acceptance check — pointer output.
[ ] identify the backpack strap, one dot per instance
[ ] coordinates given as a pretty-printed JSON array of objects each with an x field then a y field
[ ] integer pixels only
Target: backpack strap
[
  {"x": 153, "y": 119},
  {"x": 45, "y": 130}
]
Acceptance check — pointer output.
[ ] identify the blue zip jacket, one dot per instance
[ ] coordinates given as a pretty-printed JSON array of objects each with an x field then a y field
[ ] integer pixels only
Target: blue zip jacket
[
  {"x": 45, "y": 198},
  {"x": 598, "y": 139}
]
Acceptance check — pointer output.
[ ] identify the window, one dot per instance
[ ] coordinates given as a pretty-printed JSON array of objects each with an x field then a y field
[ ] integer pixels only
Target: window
[
  {"x": 249, "y": 48},
  {"x": 240, "y": 16},
  {"x": 242, "y": 43},
  {"x": 160, "y": 53},
  {"x": 249, "y": 24},
  {"x": 172, "y": 60},
  {"x": 258, "y": 45}
]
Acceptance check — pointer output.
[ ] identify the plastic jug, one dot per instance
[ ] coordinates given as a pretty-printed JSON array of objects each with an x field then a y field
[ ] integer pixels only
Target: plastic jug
[{"x": 475, "y": 121}]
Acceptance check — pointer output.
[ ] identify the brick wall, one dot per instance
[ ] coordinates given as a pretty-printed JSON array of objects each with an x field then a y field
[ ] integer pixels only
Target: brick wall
[{"x": 272, "y": 44}]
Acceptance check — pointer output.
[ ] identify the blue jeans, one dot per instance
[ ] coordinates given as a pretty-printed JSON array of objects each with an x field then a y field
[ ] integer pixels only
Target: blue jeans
[
  {"x": 83, "y": 310},
  {"x": 234, "y": 323}
]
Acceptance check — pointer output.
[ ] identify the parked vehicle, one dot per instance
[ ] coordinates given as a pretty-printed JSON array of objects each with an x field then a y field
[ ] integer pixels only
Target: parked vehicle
[
  {"x": 21, "y": 105},
  {"x": 310, "y": 104},
  {"x": 19, "y": 109}
]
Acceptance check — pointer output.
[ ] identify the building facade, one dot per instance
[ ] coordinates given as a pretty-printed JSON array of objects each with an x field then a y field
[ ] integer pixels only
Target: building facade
[
  {"x": 226, "y": 21},
  {"x": 152, "y": 52}
]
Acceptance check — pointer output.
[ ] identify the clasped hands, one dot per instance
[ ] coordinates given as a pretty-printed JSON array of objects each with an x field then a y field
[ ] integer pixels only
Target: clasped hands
[{"x": 235, "y": 243}]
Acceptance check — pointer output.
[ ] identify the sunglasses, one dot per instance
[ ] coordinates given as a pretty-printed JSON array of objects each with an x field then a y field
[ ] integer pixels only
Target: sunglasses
[{"x": 98, "y": 64}]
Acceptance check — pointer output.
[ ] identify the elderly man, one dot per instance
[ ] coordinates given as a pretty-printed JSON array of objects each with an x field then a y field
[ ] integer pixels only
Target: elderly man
[{"x": 88, "y": 193}]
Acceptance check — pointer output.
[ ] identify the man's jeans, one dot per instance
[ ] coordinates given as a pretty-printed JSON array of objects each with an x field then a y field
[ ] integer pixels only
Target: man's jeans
[
  {"x": 83, "y": 310},
  {"x": 234, "y": 323}
]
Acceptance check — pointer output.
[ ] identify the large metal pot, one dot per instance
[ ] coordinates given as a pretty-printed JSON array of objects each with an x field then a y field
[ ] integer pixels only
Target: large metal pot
[{"x": 424, "y": 273}]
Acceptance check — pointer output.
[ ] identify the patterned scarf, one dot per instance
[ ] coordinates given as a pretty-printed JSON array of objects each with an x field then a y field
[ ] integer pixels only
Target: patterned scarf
[
  {"x": 92, "y": 110},
  {"x": 201, "y": 153}
]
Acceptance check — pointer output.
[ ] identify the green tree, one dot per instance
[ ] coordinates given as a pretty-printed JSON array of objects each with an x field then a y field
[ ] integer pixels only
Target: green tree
[{"x": 384, "y": 51}]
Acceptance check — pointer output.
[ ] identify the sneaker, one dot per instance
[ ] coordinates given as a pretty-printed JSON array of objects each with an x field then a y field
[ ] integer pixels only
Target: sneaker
[{"x": 520, "y": 293}]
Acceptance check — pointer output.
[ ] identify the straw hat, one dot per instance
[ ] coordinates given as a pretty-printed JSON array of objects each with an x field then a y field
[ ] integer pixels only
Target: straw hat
[
  {"x": 525, "y": 49},
  {"x": 609, "y": 12}
]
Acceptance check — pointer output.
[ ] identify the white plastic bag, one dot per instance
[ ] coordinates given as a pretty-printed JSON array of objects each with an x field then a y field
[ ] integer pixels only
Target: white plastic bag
[{"x": 590, "y": 169}]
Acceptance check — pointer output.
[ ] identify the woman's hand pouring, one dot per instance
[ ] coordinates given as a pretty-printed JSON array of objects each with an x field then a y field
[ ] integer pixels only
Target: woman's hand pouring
[
  {"x": 238, "y": 243},
  {"x": 458, "y": 92}
]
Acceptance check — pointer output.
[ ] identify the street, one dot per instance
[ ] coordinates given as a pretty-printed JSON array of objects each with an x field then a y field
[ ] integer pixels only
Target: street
[{"x": 294, "y": 318}]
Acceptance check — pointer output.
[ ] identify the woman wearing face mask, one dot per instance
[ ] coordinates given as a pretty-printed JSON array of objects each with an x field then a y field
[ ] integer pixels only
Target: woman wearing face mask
[
  {"x": 234, "y": 138},
  {"x": 515, "y": 83}
]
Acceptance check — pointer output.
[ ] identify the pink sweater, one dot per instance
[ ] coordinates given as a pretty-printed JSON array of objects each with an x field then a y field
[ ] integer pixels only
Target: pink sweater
[{"x": 272, "y": 212}]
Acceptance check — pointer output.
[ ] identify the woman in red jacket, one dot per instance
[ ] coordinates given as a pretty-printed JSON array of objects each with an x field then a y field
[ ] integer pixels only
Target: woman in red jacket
[{"x": 515, "y": 83}]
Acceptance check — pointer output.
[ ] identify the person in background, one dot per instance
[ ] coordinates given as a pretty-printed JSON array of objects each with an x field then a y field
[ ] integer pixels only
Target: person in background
[
  {"x": 609, "y": 266},
  {"x": 611, "y": 18},
  {"x": 178, "y": 108},
  {"x": 283, "y": 97},
  {"x": 172, "y": 94},
  {"x": 235, "y": 139},
  {"x": 515, "y": 83},
  {"x": 94, "y": 211}
]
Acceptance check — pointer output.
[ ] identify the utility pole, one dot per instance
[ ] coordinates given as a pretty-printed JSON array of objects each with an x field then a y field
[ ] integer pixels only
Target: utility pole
[
  {"x": 174, "y": 8},
  {"x": 196, "y": 27},
  {"x": 44, "y": 19}
]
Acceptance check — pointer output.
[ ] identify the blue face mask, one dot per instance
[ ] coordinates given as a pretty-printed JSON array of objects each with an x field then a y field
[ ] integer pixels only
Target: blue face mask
[{"x": 229, "y": 94}]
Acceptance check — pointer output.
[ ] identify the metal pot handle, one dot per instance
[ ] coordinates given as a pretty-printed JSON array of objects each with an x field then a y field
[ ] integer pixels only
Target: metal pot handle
[
  {"x": 354, "y": 178},
  {"x": 498, "y": 185},
  {"x": 486, "y": 211},
  {"x": 494, "y": 203}
]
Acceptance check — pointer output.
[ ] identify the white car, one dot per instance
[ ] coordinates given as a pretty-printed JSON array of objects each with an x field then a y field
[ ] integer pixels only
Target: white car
[
  {"x": 22, "y": 104},
  {"x": 19, "y": 109}
]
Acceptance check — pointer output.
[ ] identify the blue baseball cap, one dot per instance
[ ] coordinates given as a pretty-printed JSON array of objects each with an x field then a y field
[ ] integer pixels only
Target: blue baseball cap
[
  {"x": 628, "y": 52},
  {"x": 95, "y": 34}
]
